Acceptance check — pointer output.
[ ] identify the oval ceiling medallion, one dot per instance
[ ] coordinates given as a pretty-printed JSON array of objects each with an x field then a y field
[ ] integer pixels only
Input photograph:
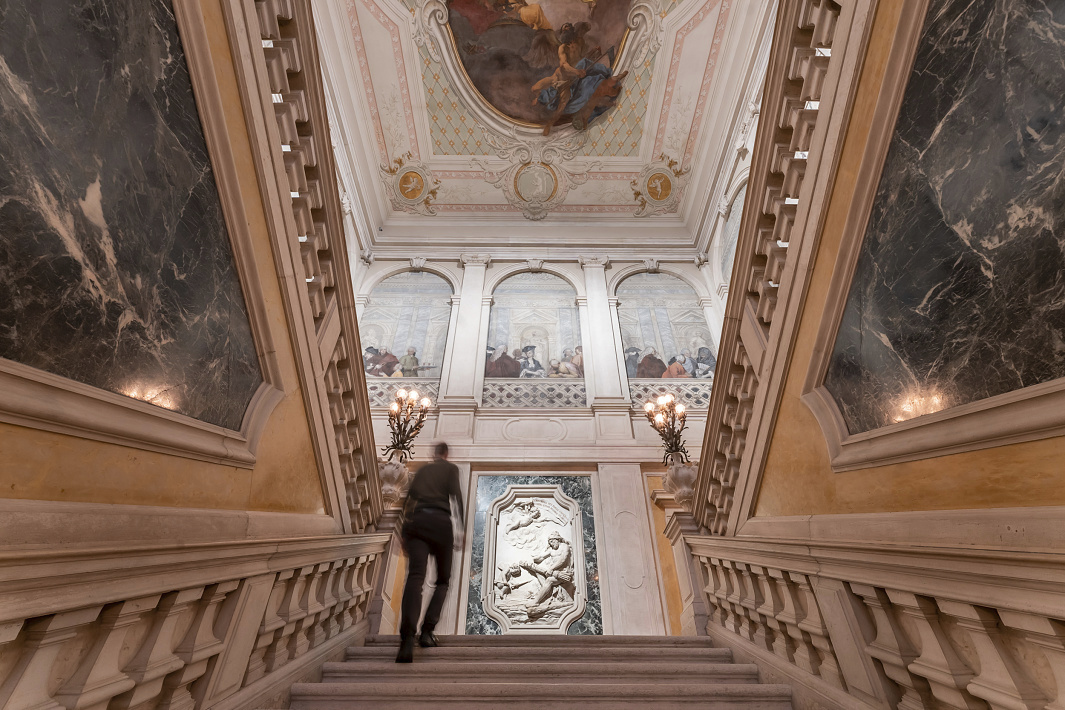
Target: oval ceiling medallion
[{"x": 542, "y": 64}]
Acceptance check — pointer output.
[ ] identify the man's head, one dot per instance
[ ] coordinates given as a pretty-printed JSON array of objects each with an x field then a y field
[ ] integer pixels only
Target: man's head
[
  {"x": 411, "y": 351},
  {"x": 579, "y": 349},
  {"x": 440, "y": 450},
  {"x": 554, "y": 539}
]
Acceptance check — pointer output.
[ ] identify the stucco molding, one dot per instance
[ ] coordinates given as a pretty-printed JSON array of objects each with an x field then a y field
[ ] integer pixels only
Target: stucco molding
[
  {"x": 40, "y": 400},
  {"x": 1028, "y": 414}
]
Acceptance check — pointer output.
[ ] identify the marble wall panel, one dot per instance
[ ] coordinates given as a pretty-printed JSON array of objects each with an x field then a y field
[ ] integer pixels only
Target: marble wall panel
[
  {"x": 116, "y": 268},
  {"x": 578, "y": 488},
  {"x": 959, "y": 292}
]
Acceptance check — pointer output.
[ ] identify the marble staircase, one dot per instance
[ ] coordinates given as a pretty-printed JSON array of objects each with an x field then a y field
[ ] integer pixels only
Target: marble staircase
[{"x": 541, "y": 672}]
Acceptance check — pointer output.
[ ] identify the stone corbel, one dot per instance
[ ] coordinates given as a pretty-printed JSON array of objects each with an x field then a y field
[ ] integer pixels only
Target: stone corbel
[
  {"x": 417, "y": 263},
  {"x": 467, "y": 259},
  {"x": 586, "y": 261}
]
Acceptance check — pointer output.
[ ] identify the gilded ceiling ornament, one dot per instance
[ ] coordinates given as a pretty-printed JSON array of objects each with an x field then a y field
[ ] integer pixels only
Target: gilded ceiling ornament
[
  {"x": 410, "y": 184},
  {"x": 535, "y": 181},
  {"x": 658, "y": 187}
]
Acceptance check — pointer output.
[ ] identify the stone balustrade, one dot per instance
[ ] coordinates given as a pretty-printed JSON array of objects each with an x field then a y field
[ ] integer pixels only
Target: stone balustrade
[
  {"x": 800, "y": 61},
  {"x": 196, "y": 626},
  {"x": 288, "y": 47},
  {"x": 897, "y": 627},
  {"x": 533, "y": 392}
]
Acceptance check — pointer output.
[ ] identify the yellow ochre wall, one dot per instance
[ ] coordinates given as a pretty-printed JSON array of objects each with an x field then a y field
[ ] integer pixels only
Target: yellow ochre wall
[
  {"x": 797, "y": 479},
  {"x": 42, "y": 465}
]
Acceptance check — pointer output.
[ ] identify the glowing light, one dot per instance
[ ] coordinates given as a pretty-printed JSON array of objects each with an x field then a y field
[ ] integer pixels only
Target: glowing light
[
  {"x": 660, "y": 418},
  {"x": 412, "y": 395},
  {"x": 669, "y": 398},
  {"x": 401, "y": 394},
  {"x": 648, "y": 407},
  {"x": 426, "y": 403},
  {"x": 680, "y": 409},
  {"x": 662, "y": 400},
  {"x": 394, "y": 407},
  {"x": 917, "y": 404}
]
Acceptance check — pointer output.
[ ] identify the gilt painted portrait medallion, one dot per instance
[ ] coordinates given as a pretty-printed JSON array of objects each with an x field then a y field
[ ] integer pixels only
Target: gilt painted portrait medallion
[{"x": 542, "y": 63}]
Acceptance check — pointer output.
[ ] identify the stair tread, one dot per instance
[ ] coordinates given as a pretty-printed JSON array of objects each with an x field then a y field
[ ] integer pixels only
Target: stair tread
[
  {"x": 427, "y": 690},
  {"x": 463, "y": 640},
  {"x": 503, "y": 652},
  {"x": 574, "y": 667}
]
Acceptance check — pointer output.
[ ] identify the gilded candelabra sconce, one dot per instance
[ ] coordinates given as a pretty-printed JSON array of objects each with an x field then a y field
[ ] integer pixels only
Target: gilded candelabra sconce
[
  {"x": 406, "y": 417},
  {"x": 666, "y": 415}
]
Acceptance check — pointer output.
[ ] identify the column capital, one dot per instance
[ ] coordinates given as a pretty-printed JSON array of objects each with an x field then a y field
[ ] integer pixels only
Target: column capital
[
  {"x": 601, "y": 261},
  {"x": 475, "y": 259},
  {"x": 455, "y": 300},
  {"x": 582, "y": 302},
  {"x": 487, "y": 300},
  {"x": 706, "y": 302},
  {"x": 362, "y": 300}
]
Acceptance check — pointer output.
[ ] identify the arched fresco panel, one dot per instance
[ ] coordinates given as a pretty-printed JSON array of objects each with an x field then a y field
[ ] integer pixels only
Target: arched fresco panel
[
  {"x": 404, "y": 326},
  {"x": 534, "y": 329},
  {"x": 663, "y": 329}
]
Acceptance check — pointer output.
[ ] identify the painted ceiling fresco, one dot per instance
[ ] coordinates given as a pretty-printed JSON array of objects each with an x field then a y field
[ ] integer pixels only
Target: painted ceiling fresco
[
  {"x": 541, "y": 63},
  {"x": 448, "y": 103}
]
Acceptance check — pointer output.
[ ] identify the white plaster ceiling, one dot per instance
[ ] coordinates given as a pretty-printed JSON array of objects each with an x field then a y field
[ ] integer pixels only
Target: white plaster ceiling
[{"x": 407, "y": 122}]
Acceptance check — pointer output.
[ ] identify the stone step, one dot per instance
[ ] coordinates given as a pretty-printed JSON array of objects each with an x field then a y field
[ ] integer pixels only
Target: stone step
[
  {"x": 414, "y": 693},
  {"x": 564, "y": 653},
  {"x": 526, "y": 641},
  {"x": 449, "y": 671}
]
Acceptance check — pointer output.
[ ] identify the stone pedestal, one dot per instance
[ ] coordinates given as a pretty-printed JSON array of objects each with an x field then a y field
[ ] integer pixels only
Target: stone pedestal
[{"x": 383, "y": 619}]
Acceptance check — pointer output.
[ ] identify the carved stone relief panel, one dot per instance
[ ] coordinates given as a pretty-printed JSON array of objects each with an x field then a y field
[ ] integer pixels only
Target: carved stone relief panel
[
  {"x": 533, "y": 579},
  {"x": 534, "y": 566}
]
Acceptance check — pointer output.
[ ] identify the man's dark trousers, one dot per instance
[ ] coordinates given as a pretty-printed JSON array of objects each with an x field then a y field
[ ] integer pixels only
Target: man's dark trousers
[{"x": 428, "y": 532}]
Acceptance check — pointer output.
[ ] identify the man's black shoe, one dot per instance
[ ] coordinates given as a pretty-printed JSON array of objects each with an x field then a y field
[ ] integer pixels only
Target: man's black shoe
[
  {"x": 406, "y": 651},
  {"x": 428, "y": 640}
]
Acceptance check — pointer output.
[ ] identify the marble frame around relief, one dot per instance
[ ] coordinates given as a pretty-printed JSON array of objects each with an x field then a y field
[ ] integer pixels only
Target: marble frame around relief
[
  {"x": 1028, "y": 414},
  {"x": 41, "y": 400}
]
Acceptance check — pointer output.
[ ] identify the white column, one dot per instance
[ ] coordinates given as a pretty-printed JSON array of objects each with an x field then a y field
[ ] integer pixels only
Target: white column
[
  {"x": 458, "y": 385},
  {"x": 603, "y": 371},
  {"x": 714, "y": 311},
  {"x": 628, "y": 574}
]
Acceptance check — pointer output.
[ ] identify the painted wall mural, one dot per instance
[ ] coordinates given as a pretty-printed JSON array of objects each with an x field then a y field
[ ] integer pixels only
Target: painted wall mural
[
  {"x": 663, "y": 329},
  {"x": 116, "y": 268},
  {"x": 959, "y": 290},
  {"x": 534, "y": 329},
  {"x": 543, "y": 63},
  {"x": 403, "y": 327}
]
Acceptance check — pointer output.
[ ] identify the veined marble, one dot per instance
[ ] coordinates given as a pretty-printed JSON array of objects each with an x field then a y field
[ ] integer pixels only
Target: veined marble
[
  {"x": 959, "y": 292},
  {"x": 115, "y": 265},
  {"x": 577, "y": 488}
]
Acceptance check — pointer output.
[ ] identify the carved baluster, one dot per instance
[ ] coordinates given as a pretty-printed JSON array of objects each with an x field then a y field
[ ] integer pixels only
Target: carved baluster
[
  {"x": 813, "y": 624},
  {"x": 1048, "y": 635},
  {"x": 298, "y": 618},
  {"x": 892, "y": 647},
  {"x": 767, "y": 610},
  {"x": 938, "y": 662},
  {"x": 196, "y": 649},
  {"x": 804, "y": 654},
  {"x": 27, "y": 684},
  {"x": 751, "y": 601},
  {"x": 156, "y": 658},
  {"x": 284, "y": 622},
  {"x": 99, "y": 676}
]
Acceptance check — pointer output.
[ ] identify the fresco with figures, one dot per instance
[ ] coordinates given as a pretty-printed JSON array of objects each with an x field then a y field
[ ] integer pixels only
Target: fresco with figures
[
  {"x": 404, "y": 326},
  {"x": 534, "y": 329},
  {"x": 663, "y": 329},
  {"x": 545, "y": 63}
]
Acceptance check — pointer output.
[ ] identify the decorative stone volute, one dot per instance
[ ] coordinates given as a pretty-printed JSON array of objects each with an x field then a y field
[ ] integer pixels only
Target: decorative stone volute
[
  {"x": 395, "y": 478},
  {"x": 679, "y": 481}
]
